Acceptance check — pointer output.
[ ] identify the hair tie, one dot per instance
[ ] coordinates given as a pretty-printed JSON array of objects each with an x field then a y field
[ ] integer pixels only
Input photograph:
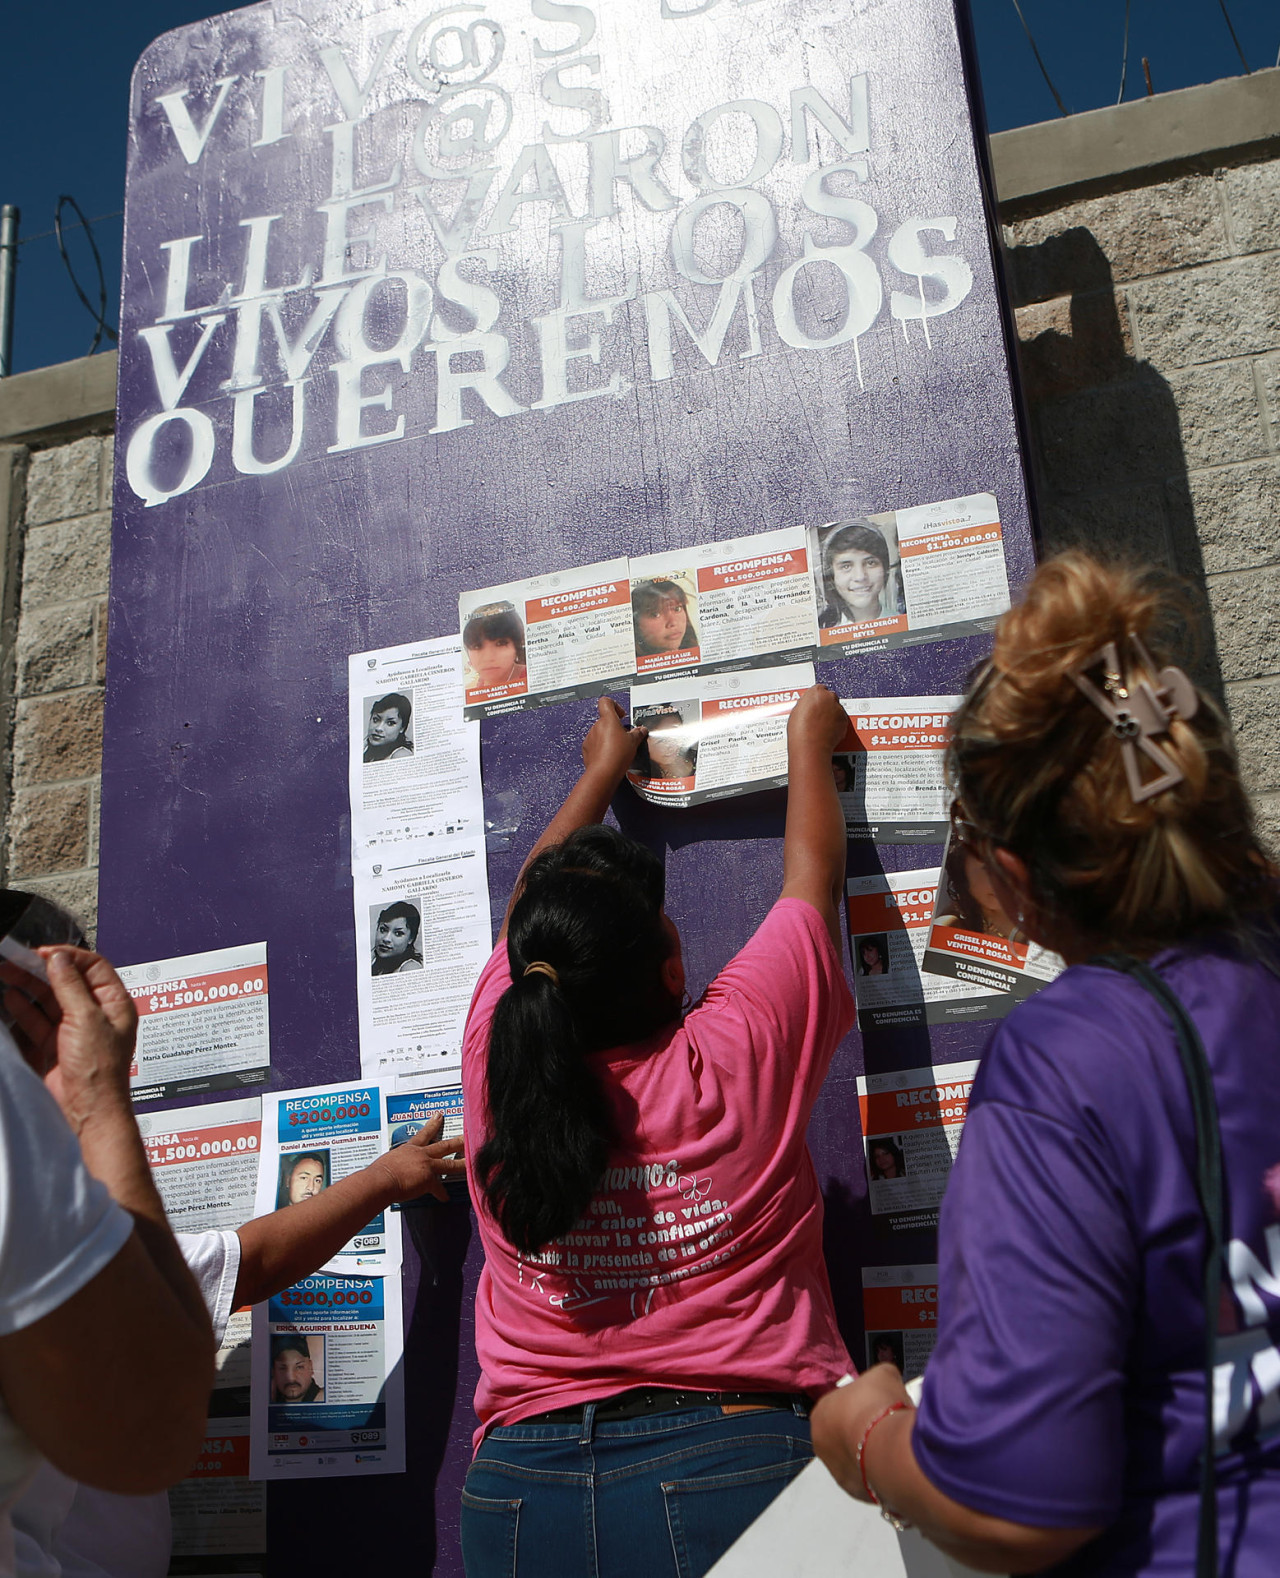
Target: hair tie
[
  {"x": 538, "y": 968},
  {"x": 1136, "y": 712}
]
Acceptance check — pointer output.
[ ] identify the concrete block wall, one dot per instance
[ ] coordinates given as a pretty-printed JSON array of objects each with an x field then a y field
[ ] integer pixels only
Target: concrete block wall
[
  {"x": 1144, "y": 265},
  {"x": 59, "y": 664},
  {"x": 1147, "y": 301}
]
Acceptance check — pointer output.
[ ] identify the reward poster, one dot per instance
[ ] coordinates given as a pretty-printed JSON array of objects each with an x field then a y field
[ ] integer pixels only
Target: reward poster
[{"x": 425, "y": 307}]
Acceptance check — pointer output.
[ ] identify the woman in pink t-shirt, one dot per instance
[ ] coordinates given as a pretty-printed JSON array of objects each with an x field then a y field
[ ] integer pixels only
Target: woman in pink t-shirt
[{"x": 654, "y": 1316}]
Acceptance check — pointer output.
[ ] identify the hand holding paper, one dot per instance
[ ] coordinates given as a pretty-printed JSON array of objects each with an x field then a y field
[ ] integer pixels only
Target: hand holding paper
[
  {"x": 610, "y": 746},
  {"x": 818, "y": 718},
  {"x": 77, "y": 1032}
]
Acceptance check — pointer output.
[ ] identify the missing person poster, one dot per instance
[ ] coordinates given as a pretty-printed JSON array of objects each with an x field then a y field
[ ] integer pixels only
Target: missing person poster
[
  {"x": 203, "y": 1022},
  {"x": 205, "y": 1164},
  {"x": 888, "y": 918},
  {"x": 549, "y": 639},
  {"x": 911, "y": 1124},
  {"x": 739, "y": 604},
  {"x": 328, "y": 1383},
  {"x": 410, "y": 1110},
  {"x": 716, "y": 735},
  {"x": 900, "y": 1314},
  {"x": 314, "y": 1138},
  {"x": 413, "y": 760},
  {"x": 909, "y": 576},
  {"x": 422, "y": 935},
  {"x": 891, "y": 774},
  {"x": 972, "y": 938},
  {"x": 219, "y": 1510}
]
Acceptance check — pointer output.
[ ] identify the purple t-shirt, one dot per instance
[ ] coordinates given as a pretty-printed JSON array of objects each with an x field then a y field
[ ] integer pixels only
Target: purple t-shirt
[{"x": 1067, "y": 1385}]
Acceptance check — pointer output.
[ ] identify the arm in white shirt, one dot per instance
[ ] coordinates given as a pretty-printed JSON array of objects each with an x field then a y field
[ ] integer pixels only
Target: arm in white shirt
[{"x": 106, "y": 1352}]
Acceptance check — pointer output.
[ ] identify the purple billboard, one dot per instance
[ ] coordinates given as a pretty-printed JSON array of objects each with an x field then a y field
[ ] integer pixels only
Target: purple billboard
[{"x": 421, "y": 300}]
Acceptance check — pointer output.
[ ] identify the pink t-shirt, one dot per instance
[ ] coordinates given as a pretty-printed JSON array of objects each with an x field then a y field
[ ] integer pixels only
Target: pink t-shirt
[{"x": 699, "y": 1264}]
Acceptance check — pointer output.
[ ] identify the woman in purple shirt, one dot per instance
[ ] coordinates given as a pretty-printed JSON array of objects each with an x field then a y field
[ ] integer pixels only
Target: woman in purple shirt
[{"x": 1063, "y": 1419}]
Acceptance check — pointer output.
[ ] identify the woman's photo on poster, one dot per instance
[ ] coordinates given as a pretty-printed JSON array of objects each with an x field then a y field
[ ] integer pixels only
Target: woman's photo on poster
[
  {"x": 393, "y": 930},
  {"x": 493, "y": 647},
  {"x": 664, "y": 615},
  {"x": 884, "y": 1157},
  {"x": 671, "y": 749},
  {"x": 871, "y": 953},
  {"x": 388, "y": 727}
]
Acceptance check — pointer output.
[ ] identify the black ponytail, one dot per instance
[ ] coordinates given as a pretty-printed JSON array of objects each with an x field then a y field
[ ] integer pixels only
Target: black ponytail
[{"x": 591, "y": 908}]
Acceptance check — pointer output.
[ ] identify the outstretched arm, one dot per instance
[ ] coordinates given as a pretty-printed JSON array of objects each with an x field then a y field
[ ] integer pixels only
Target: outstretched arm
[
  {"x": 608, "y": 750},
  {"x": 841, "y": 1421},
  {"x": 813, "y": 850},
  {"x": 281, "y": 1248}
]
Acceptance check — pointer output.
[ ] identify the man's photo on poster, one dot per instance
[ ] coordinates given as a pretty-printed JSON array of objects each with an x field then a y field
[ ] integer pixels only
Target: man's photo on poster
[
  {"x": 297, "y": 1368},
  {"x": 302, "y": 1175}
]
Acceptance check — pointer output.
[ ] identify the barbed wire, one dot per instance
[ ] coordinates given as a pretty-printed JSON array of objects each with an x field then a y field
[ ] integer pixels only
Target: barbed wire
[{"x": 98, "y": 313}]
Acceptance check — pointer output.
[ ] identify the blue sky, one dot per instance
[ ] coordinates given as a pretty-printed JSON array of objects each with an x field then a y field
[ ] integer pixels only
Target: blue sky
[{"x": 66, "y": 80}]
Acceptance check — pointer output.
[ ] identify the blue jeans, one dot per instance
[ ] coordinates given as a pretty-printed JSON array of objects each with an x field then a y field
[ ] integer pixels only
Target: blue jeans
[{"x": 657, "y": 1497}]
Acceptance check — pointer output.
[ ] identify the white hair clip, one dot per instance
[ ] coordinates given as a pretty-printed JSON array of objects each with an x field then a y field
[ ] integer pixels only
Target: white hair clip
[{"x": 1137, "y": 712}]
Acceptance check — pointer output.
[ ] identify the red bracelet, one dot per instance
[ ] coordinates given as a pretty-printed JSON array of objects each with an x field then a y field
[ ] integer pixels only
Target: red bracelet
[{"x": 884, "y": 1413}]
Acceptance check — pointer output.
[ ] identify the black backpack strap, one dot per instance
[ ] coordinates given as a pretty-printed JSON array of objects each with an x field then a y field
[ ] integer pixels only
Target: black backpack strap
[{"x": 1204, "y": 1107}]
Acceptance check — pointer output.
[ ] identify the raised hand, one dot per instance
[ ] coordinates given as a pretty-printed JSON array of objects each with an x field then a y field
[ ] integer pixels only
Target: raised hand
[
  {"x": 610, "y": 747},
  {"x": 78, "y": 1032}
]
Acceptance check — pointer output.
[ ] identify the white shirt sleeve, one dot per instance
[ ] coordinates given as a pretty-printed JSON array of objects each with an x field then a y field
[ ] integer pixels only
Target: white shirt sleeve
[
  {"x": 214, "y": 1258},
  {"x": 58, "y": 1226}
]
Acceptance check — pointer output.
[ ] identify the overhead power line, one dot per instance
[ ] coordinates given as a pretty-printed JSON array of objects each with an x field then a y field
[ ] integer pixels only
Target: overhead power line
[{"x": 77, "y": 224}]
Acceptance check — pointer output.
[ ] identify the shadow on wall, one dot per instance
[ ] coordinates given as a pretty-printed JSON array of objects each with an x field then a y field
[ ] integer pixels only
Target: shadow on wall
[{"x": 1106, "y": 437}]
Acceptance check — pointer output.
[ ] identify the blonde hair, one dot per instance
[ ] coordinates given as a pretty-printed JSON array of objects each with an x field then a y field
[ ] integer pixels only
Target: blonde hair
[{"x": 1039, "y": 771}]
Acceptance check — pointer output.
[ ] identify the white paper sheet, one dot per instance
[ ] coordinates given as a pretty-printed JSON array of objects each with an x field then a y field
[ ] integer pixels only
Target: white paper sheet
[
  {"x": 970, "y": 938},
  {"x": 743, "y": 603},
  {"x": 900, "y": 1315},
  {"x": 548, "y": 639},
  {"x": 202, "y": 1022},
  {"x": 314, "y": 1138},
  {"x": 888, "y": 921},
  {"x": 929, "y": 573},
  {"x": 337, "y": 1408},
  {"x": 813, "y": 1530},
  {"x": 414, "y": 760},
  {"x": 413, "y": 987},
  {"x": 205, "y": 1164},
  {"x": 912, "y": 1120},
  {"x": 891, "y": 773},
  {"x": 716, "y": 735}
]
